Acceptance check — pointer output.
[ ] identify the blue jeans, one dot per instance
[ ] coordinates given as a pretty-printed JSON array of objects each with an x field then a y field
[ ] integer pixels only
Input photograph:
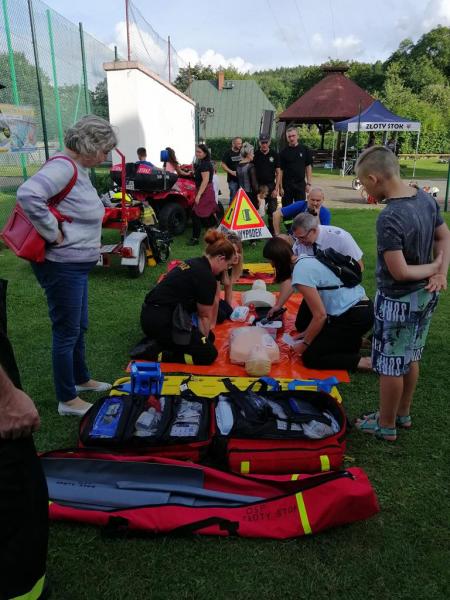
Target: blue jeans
[
  {"x": 233, "y": 186},
  {"x": 66, "y": 288}
]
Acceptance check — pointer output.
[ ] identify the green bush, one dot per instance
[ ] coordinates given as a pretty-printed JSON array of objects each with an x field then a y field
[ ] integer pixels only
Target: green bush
[{"x": 103, "y": 182}]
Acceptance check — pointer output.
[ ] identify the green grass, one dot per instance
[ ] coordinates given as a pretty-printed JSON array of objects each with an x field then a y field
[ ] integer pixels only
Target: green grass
[
  {"x": 426, "y": 168},
  {"x": 400, "y": 554}
]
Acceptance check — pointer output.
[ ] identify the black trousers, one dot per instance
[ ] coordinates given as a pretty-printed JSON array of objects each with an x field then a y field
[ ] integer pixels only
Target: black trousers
[
  {"x": 156, "y": 323},
  {"x": 198, "y": 222},
  {"x": 338, "y": 344},
  {"x": 293, "y": 192},
  {"x": 23, "y": 498},
  {"x": 271, "y": 207}
]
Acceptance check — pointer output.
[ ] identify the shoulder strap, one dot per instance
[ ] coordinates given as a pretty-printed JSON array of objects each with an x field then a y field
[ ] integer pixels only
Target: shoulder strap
[{"x": 56, "y": 199}]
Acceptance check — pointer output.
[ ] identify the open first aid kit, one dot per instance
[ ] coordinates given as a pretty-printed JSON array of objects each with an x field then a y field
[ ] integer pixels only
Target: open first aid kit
[
  {"x": 273, "y": 431},
  {"x": 137, "y": 417},
  {"x": 161, "y": 496}
]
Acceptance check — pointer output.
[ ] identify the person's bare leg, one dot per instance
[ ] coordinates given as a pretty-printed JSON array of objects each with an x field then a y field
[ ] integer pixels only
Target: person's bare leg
[
  {"x": 391, "y": 393},
  {"x": 409, "y": 387}
]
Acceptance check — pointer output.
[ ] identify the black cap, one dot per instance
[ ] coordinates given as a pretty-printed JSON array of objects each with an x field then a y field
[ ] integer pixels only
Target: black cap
[{"x": 264, "y": 138}]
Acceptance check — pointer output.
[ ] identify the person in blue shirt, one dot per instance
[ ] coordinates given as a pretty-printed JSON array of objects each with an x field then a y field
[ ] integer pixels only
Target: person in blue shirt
[
  {"x": 340, "y": 315},
  {"x": 142, "y": 158},
  {"x": 314, "y": 202}
]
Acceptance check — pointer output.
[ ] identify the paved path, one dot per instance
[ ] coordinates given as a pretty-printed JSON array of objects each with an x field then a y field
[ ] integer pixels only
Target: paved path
[{"x": 339, "y": 193}]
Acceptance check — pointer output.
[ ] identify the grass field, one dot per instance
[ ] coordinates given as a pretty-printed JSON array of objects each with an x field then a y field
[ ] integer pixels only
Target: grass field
[
  {"x": 402, "y": 553},
  {"x": 426, "y": 168}
]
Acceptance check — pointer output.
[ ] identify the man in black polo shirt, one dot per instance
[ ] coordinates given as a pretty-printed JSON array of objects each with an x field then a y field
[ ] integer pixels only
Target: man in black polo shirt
[
  {"x": 230, "y": 161},
  {"x": 267, "y": 167},
  {"x": 296, "y": 169}
]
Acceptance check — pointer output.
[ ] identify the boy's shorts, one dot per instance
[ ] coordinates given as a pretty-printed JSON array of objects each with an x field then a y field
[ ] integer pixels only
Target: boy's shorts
[{"x": 400, "y": 330}]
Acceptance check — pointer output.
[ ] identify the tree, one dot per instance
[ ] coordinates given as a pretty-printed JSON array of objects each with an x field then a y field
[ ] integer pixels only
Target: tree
[{"x": 99, "y": 100}]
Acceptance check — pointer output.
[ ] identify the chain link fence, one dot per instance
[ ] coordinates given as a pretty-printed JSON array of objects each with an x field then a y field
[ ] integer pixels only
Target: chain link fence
[
  {"x": 149, "y": 48},
  {"x": 52, "y": 73}
]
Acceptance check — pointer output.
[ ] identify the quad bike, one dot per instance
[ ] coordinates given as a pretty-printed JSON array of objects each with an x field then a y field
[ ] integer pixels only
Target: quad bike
[
  {"x": 141, "y": 242},
  {"x": 170, "y": 196}
]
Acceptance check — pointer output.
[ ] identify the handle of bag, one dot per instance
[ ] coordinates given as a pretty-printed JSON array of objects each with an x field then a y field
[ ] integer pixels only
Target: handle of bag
[
  {"x": 56, "y": 199},
  {"x": 231, "y": 527},
  {"x": 325, "y": 385},
  {"x": 266, "y": 383}
]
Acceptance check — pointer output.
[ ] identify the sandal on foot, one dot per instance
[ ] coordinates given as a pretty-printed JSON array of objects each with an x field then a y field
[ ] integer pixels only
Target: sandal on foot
[
  {"x": 404, "y": 421},
  {"x": 369, "y": 424},
  {"x": 388, "y": 434}
]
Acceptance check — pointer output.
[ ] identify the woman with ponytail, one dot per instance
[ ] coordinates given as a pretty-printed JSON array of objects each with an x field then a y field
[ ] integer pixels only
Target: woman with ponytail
[{"x": 177, "y": 314}]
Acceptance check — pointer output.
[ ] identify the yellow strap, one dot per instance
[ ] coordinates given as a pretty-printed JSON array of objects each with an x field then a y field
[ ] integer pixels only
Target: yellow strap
[
  {"x": 34, "y": 593},
  {"x": 303, "y": 514},
  {"x": 324, "y": 462},
  {"x": 302, "y": 508},
  {"x": 159, "y": 357},
  {"x": 245, "y": 467},
  {"x": 188, "y": 359}
]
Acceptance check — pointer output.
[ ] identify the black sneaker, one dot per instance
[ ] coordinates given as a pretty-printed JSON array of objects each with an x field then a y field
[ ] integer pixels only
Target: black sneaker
[{"x": 193, "y": 242}]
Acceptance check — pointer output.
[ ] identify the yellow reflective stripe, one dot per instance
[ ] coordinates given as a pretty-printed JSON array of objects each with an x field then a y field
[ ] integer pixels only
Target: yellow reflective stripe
[
  {"x": 324, "y": 462},
  {"x": 295, "y": 477},
  {"x": 188, "y": 359},
  {"x": 159, "y": 357},
  {"x": 245, "y": 467},
  {"x": 303, "y": 514},
  {"x": 34, "y": 593}
]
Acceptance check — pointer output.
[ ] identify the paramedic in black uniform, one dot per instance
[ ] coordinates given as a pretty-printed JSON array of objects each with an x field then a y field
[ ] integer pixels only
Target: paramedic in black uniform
[
  {"x": 193, "y": 285},
  {"x": 267, "y": 168},
  {"x": 296, "y": 169}
]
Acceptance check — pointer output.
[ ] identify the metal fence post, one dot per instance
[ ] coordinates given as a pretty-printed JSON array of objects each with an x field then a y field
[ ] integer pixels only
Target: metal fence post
[
  {"x": 12, "y": 70},
  {"x": 83, "y": 60},
  {"x": 38, "y": 77},
  {"x": 55, "y": 81}
]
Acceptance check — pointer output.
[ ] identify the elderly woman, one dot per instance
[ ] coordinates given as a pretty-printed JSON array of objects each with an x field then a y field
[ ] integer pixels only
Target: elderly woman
[
  {"x": 246, "y": 173},
  {"x": 340, "y": 315},
  {"x": 72, "y": 252}
]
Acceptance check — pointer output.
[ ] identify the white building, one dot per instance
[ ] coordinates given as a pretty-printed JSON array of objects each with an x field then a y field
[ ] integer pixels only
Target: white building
[{"x": 147, "y": 111}]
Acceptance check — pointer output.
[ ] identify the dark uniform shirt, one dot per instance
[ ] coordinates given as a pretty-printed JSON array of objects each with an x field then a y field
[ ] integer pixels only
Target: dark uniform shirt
[
  {"x": 189, "y": 283},
  {"x": 203, "y": 166},
  {"x": 231, "y": 158},
  {"x": 293, "y": 162},
  {"x": 406, "y": 224},
  {"x": 265, "y": 165}
]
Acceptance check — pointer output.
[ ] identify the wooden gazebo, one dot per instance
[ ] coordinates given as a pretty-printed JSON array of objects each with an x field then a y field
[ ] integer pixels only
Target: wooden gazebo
[{"x": 334, "y": 98}]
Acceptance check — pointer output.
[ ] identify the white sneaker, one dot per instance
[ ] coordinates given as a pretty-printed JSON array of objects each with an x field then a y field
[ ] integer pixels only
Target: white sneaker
[
  {"x": 65, "y": 410},
  {"x": 100, "y": 387}
]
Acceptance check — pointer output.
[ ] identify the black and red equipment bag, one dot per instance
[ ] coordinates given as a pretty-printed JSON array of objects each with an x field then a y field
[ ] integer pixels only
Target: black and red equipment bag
[
  {"x": 111, "y": 423},
  {"x": 156, "y": 495},
  {"x": 271, "y": 430},
  {"x": 139, "y": 177}
]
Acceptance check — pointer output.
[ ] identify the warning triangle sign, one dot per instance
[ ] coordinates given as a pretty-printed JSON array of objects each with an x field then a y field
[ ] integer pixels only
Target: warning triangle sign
[{"x": 243, "y": 218}]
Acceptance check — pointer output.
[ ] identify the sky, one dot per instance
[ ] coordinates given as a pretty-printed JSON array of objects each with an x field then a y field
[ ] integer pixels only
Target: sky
[{"x": 262, "y": 34}]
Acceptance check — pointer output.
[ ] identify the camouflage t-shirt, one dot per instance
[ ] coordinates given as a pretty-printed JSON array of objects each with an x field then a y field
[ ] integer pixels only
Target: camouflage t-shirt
[{"x": 406, "y": 224}]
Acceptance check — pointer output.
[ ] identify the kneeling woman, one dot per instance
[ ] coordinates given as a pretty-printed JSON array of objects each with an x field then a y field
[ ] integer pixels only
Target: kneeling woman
[
  {"x": 340, "y": 315},
  {"x": 178, "y": 312}
]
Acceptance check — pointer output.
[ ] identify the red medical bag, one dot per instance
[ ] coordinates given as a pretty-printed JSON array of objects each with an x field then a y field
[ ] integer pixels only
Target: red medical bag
[
  {"x": 269, "y": 428},
  {"x": 156, "y": 495}
]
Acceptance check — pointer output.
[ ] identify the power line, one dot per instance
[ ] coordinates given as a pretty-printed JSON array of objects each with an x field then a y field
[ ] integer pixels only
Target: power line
[
  {"x": 284, "y": 38},
  {"x": 303, "y": 27}
]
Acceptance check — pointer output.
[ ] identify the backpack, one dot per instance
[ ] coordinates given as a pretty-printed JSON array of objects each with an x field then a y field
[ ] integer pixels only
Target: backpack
[{"x": 345, "y": 267}]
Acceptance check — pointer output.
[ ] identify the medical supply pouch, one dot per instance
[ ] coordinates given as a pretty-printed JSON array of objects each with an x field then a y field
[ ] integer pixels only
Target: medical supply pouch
[
  {"x": 301, "y": 430},
  {"x": 160, "y": 425},
  {"x": 156, "y": 495}
]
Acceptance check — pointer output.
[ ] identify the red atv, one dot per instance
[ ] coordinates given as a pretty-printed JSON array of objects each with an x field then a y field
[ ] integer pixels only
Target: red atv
[{"x": 170, "y": 196}]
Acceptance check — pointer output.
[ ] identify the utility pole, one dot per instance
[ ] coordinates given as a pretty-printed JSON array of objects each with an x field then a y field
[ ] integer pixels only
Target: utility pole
[{"x": 127, "y": 19}]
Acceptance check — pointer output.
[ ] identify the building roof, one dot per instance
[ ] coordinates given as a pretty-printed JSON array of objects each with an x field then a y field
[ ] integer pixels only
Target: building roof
[
  {"x": 237, "y": 107},
  {"x": 334, "y": 98}
]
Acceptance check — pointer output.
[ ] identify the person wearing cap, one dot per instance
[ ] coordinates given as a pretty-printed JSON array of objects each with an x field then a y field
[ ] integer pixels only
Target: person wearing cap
[
  {"x": 314, "y": 203},
  {"x": 296, "y": 169},
  {"x": 267, "y": 168}
]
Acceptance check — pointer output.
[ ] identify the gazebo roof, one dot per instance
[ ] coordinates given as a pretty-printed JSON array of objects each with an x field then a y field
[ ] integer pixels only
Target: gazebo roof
[{"x": 334, "y": 98}]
